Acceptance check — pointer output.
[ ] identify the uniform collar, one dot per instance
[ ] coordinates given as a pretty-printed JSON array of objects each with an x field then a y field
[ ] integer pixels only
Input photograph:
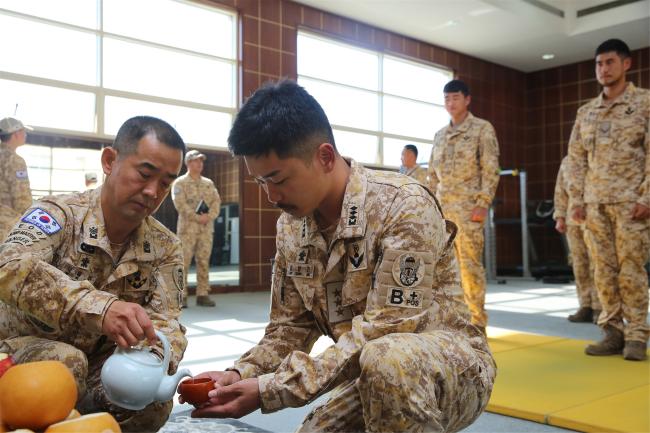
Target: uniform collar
[
  {"x": 412, "y": 170},
  {"x": 625, "y": 98},
  {"x": 464, "y": 125},
  {"x": 352, "y": 222},
  {"x": 93, "y": 233}
]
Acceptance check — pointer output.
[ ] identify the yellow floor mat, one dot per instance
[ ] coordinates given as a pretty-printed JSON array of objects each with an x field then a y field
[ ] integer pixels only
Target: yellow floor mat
[
  {"x": 550, "y": 379},
  {"x": 625, "y": 412}
]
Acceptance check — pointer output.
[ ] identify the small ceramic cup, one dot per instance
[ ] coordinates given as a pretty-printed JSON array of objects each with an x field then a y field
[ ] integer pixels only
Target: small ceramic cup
[{"x": 195, "y": 391}]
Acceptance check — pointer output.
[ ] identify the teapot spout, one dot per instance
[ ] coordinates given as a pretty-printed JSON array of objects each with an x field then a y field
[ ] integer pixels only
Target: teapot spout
[{"x": 169, "y": 384}]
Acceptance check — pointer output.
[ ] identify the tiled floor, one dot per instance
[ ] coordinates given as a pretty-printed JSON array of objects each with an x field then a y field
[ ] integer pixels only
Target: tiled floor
[{"x": 219, "y": 335}]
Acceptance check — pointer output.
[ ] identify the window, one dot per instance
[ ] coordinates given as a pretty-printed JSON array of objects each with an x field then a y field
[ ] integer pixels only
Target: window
[
  {"x": 82, "y": 67},
  {"x": 54, "y": 170},
  {"x": 377, "y": 106}
]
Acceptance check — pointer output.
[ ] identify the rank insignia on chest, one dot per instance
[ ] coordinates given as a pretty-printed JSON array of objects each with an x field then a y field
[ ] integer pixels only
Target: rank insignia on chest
[
  {"x": 404, "y": 298},
  {"x": 357, "y": 256},
  {"x": 629, "y": 111},
  {"x": 299, "y": 270},
  {"x": 302, "y": 256},
  {"x": 136, "y": 280},
  {"x": 353, "y": 215},
  {"x": 605, "y": 127},
  {"x": 92, "y": 232},
  {"x": 407, "y": 270},
  {"x": 466, "y": 137},
  {"x": 87, "y": 248},
  {"x": 146, "y": 247},
  {"x": 85, "y": 261},
  {"x": 336, "y": 312}
]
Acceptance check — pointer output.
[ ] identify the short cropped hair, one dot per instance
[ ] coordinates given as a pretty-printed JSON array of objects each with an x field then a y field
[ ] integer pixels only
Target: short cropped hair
[
  {"x": 456, "y": 86},
  {"x": 412, "y": 148},
  {"x": 132, "y": 131},
  {"x": 280, "y": 117},
  {"x": 616, "y": 45}
]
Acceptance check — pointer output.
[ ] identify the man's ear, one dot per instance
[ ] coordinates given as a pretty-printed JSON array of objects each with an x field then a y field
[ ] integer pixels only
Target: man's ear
[
  {"x": 627, "y": 64},
  {"x": 326, "y": 156},
  {"x": 109, "y": 156}
]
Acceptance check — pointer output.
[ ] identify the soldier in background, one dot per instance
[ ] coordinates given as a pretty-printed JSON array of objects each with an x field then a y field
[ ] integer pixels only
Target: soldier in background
[
  {"x": 464, "y": 174},
  {"x": 198, "y": 203},
  {"x": 410, "y": 166},
  {"x": 15, "y": 193},
  {"x": 609, "y": 187},
  {"x": 81, "y": 273},
  {"x": 578, "y": 252},
  {"x": 365, "y": 257}
]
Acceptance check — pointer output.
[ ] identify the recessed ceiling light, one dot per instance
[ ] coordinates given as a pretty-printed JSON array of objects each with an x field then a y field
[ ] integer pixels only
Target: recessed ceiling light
[{"x": 548, "y": 56}]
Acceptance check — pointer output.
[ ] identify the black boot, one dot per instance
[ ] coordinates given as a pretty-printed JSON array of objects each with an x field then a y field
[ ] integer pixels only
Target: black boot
[
  {"x": 611, "y": 344},
  {"x": 584, "y": 314}
]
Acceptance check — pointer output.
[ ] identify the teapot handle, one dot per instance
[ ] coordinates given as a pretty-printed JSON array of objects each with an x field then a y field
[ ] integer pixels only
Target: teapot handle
[{"x": 167, "y": 350}]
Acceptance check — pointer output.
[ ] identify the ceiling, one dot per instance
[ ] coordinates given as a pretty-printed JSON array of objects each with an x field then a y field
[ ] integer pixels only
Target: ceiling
[{"x": 514, "y": 33}]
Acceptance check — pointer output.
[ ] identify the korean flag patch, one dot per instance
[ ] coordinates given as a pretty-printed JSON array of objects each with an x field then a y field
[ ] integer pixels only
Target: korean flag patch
[{"x": 43, "y": 220}]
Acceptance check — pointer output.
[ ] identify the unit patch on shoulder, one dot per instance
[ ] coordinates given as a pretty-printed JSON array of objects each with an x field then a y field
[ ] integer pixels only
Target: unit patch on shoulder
[
  {"x": 43, "y": 220},
  {"x": 408, "y": 270},
  {"x": 26, "y": 234},
  {"x": 21, "y": 174}
]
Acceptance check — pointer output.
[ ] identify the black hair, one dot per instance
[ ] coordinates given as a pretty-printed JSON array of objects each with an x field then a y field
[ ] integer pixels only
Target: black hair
[
  {"x": 281, "y": 117},
  {"x": 412, "y": 148},
  {"x": 456, "y": 86},
  {"x": 615, "y": 45},
  {"x": 132, "y": 131}
]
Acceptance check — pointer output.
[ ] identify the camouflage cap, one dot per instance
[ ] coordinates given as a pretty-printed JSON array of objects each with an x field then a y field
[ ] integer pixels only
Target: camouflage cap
[
  {"x": 193, "y": 154},
  {"x": 9, "y": 125}
]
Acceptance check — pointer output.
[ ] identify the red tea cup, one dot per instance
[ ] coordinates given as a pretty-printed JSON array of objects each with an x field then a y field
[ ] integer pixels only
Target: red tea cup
[{"x": 195, "y": 391}]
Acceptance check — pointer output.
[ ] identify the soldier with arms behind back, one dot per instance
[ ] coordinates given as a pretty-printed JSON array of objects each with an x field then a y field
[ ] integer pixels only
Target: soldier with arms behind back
[
  {"x": 366, "y": 258},
  {"x": 83, "y": 272},
  {"x": 609, "y": 187}
]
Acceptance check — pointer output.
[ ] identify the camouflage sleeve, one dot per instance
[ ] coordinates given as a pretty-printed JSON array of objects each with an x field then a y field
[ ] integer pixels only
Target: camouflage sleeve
[
  {"x": 179, "y": 198},
  {"x": 414, "y": 229},
  {"x": 432, "y": 178},
  {"x": 560, "y": 196},
  {"x": 292, "y": 327},
  {"x": 214, "y": 202},
  {"x": 164, "y": 308},
  {"x": 577, "y": 167},
  {"x": 489, "y": 161},
  {"x": 32, "y": 284},
  {"x": 21, "y": 191},
  {"x": 421, "y": 176},
  {"x": 644, "y": 192}
]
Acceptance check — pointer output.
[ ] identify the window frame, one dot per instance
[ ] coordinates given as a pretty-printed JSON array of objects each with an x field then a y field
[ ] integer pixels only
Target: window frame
[{"x": 380, "y": 134}]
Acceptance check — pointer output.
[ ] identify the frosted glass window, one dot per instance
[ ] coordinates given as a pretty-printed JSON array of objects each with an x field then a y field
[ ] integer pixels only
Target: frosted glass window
[
  {"x": 393, "y": 151},
  {"x": 82, "y": 13},
  {"x": 360, "y": 147}
]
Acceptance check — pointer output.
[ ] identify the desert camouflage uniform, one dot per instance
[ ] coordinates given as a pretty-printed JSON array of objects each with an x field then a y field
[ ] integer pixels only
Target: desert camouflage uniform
[
  {"x": 464, "y": 174},
  {"x": 196, "y": 238},
  {"x": 418, "y": 173},
  {"x": 15, "y": 193},
  {"x": 386, "y": 290},
  {"x": 577, "y": 239},
  {"x": 58, "y": 277},
  {"x": 609, "y": 172}
]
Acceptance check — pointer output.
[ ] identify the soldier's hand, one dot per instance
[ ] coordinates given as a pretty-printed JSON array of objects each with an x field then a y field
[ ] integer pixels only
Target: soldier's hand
[
  {"x": 221, "y": 378},
  {"x": 579, "y": 214},
  {"x": 204, "y": 219},
  {"x": 127, "y": 323},
  {"x": 478, "y": 214},
  {"x": 232, "y": 401},
  {"x": 560, "y": 225},
  {"x": 640, "y": 212}
]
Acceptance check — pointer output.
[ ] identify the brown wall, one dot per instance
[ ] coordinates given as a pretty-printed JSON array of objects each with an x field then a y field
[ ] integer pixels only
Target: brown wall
[{"x": 552, "y": 99}]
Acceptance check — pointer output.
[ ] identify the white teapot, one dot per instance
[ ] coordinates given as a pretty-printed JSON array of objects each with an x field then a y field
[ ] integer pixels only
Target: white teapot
[{"x": 133, "y": 378}]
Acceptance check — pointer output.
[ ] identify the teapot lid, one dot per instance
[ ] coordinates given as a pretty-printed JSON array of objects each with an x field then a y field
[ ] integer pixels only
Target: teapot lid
[{"x": 143, "y": 356}]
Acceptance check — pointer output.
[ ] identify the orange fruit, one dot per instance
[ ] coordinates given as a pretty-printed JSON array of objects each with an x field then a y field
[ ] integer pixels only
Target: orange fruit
[
  {"x": 101, "y": 422},
  {"x": 36, "y": 394}
]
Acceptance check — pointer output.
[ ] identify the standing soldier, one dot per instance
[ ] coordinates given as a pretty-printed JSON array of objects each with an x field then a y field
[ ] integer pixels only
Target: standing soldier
[
  {"x": 197, "y": 202},
  {"x": 83, "y": 273},
  {"x": 464, "y": 171},
  {"x": 410, "y": 166},
  {"x": 15, "y": 193},
  {"x": 609, "y": 186},
  {"x": 578, "y": 252},
  {"x": 366, "y": 258}
]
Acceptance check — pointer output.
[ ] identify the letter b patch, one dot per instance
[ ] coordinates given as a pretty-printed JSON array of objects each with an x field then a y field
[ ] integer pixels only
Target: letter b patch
[{"x": 404, "y": 298}]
